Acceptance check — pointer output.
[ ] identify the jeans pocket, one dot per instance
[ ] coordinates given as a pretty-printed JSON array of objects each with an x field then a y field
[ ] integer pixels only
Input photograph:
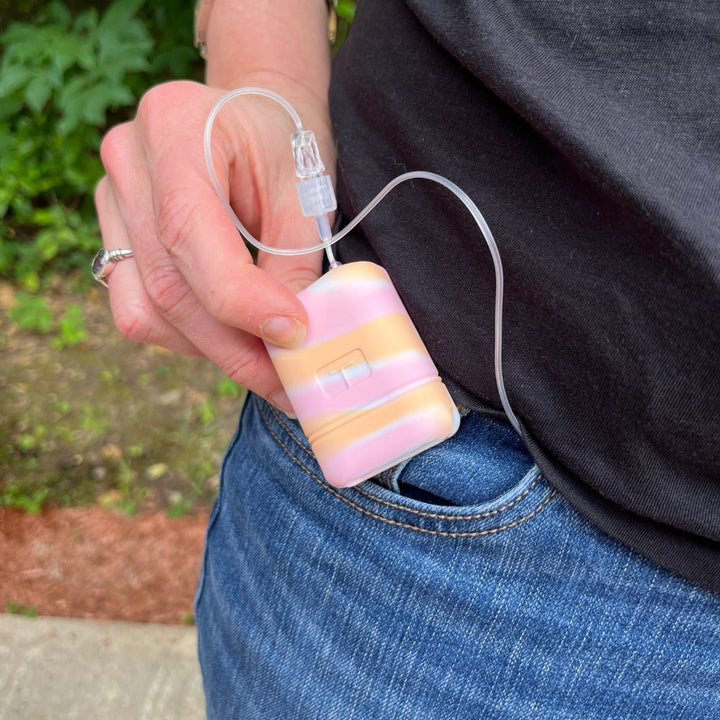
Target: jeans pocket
[
  {"x": 512, "y": 488},
  {"x": 483, "y": 461}
]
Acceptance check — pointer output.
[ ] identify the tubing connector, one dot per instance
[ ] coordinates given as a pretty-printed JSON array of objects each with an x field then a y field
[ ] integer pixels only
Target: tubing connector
[{"x": 315, "y": 190}]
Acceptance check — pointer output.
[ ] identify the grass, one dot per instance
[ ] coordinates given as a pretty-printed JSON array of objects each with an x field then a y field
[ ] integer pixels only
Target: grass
[
  {"x": 103, "y": 420},
  {"x": 17, "y": 609}
]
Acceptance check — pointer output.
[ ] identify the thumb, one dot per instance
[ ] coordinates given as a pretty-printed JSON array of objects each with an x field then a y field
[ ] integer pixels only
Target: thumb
[{"x": 290, "y": 229}]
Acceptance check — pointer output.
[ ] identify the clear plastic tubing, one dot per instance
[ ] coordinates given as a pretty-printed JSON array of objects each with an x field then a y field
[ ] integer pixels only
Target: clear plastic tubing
[{"x": 326, "y": 244}]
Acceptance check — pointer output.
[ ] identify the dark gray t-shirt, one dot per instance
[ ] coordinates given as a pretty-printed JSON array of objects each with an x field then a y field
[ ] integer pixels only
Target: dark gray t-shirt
[{"x": 588, "y": 135}]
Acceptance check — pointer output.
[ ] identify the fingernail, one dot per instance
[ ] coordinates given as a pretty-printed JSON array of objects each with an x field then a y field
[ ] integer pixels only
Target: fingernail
[
  {"x": 281, "y": 401},
  {"x": 285, "y": 331}
]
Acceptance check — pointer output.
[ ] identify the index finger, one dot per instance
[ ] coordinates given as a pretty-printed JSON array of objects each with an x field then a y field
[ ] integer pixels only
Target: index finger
[{"x": 195, "y": 229}]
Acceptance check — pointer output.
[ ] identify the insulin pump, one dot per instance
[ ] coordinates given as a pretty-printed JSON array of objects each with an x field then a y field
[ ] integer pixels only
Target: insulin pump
[{"x": 363, "y": 386}]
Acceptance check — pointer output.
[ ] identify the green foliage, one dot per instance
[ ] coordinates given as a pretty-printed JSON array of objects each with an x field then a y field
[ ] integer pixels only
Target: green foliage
[
  {"x": 59, "y": 79},
  {"x": 179, "y": 505},
  {"x": 69, "y": 70},
  {"x": 129, "y": 494},
  {"x": 77, "y": 68},
  {"x": 345, "y": 13},
  {"x": 346, "y": 10},
  {"x": 17, "y": 609},
  {"x": 206, "y": 412},
  {"x": 64, "y": 78},
  {"x": 227, "y": 388},
  {"x": 31, "y": 501},
  {"x": 31, "y": 313},
  {"x": 171, "y": 26},
  {"x": 71, "y": 329}
]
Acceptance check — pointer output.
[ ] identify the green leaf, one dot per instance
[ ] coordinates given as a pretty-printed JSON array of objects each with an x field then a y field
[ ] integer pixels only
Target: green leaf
[
  {"x": 14, "y": 77},
  {"x": 69, "y": 50},
  {"x": 96, "y": 102},
  {"x": 10, "y": 106},
  {"x": 346, "y": 9},
  {"x": 119, "y": 13},
  {"x": 48, "y": 247},
  {"x": 37, "y": 94},
  {"x": 71, "y": 102},
  {"x": 46, "y": 216},
  {"x": 227, "y": 388},
  {"x": 87, "y": 22},
  {"x": 16, "y": 33},
  {"x": 59, "y": 13}
]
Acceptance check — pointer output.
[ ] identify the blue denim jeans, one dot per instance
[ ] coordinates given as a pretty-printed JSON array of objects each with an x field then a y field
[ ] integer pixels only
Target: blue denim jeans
[{"x": 459, "y": 585}]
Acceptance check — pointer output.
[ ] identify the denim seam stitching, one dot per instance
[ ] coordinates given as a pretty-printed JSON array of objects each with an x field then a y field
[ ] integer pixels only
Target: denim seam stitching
[
  {"x": 397, "y": 506},
  {"x": 212, "y": 520},
  {"x": 397, "y": 523},
  {"x": 441, "y": 516}
]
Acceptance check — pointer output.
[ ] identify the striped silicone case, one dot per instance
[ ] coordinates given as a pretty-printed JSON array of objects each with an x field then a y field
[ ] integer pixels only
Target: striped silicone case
[{"x": 364, "y": 388}]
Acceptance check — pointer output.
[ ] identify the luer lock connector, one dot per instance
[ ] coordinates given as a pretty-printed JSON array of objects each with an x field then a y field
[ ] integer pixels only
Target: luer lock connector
[{"x": 315, "y": 189}]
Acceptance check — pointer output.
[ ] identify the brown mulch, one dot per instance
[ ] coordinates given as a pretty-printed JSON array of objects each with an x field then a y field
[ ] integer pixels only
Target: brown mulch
[{"x": 92, "y": 562}]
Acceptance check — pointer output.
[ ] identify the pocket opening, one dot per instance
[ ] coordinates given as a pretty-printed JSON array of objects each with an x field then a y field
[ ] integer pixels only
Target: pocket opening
[
  {"x": 417, "y": 493},
  {"x": 510, "y": 508}
]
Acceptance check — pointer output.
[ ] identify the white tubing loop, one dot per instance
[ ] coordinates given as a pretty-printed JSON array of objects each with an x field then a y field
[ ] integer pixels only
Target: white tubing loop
[
  {"x": 494, "y": 252},
  {"x": 207, "y": 144}
]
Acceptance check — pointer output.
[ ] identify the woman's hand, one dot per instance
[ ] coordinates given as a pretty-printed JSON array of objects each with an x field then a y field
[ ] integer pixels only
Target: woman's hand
[{"x": 192, "y": 285}]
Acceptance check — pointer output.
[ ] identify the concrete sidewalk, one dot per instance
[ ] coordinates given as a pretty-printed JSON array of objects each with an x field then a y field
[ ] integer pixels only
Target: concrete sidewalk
[{"x": 58, "y": 668}]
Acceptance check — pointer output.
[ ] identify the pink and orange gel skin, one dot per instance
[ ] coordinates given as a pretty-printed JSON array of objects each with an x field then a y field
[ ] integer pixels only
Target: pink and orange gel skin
[{"x": 362, "y": 384}]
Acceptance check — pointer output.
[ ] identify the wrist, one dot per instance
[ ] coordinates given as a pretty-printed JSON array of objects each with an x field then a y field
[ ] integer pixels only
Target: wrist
[
  {"x": 286, "y": 37},
  {"x": 310, "y": 99},
  {"x": 202, "y": 18}
]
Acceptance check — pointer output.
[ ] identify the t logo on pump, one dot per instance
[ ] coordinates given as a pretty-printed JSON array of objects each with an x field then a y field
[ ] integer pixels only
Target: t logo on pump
[{"x": 343, "y": 373}]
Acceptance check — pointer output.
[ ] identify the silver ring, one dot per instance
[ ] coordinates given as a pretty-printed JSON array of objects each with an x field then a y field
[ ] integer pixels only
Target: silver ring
[{"x": 105, "y": 260}]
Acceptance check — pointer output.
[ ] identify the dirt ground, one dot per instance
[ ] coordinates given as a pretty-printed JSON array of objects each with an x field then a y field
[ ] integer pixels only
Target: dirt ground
[
  {"x": 109, "y": 460},
  {"x": 92, "y": 562}
]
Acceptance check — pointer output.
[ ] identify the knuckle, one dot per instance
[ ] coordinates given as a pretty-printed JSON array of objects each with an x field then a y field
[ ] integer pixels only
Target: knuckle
[
  {"x": 134, "y": 322},
  {"x": 153, "y": 105},
  {"x": 299, "y": 277},
  {"x": 173, "y": 218},
  {"x": 160, "y": 100},
  {"x": 113, "y": 147},
  {"x": 223, "y": 304},
  {"x": 242, "y": 367},
  {"x": 166, "y": 288}
]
